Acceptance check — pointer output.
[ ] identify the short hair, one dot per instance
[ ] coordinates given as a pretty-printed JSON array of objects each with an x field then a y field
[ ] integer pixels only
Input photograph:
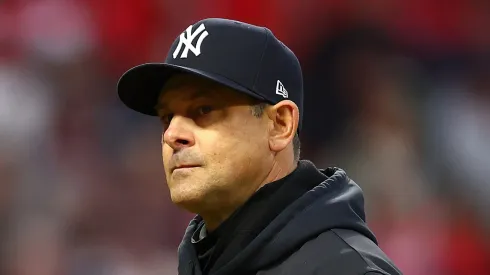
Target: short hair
[{"x": 258, "y": 110}]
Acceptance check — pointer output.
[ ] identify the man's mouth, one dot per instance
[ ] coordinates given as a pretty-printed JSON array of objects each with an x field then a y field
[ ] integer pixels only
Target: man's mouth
[{"x": 184, "y": 166}]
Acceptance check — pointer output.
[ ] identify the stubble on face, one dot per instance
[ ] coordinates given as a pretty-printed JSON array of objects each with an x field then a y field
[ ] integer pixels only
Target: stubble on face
[{"x": 229, "y": 149}]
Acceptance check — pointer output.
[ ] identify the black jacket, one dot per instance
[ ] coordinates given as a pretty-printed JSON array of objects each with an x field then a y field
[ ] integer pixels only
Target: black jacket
[{"x": 310, "y": 222}]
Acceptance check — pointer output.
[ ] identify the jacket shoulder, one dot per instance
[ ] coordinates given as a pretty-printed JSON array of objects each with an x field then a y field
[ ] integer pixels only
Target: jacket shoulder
[
  {"x": 374, "y": 259},
  {"x": 337, "y": 251}
]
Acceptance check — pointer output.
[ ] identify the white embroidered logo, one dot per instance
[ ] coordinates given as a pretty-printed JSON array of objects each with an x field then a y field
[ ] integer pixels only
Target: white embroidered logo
[
  {"x": 280, "y": 90},
  {"x": 187, "y": 38}
]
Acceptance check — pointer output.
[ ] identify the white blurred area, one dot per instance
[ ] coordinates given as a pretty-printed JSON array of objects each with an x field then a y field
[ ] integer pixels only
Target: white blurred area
[{"x": 399, "y": 101}]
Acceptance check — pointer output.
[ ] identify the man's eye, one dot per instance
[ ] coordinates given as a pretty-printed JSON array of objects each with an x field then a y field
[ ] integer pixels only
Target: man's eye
[{"x": 204, "y": 110}]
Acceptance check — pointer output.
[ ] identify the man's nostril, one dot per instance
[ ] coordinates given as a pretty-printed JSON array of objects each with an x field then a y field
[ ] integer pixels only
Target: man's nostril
[{"x": 183, "y": 141}]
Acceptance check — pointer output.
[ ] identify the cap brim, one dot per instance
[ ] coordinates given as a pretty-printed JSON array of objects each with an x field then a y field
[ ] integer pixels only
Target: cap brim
[{"x": 140, "y": 87}]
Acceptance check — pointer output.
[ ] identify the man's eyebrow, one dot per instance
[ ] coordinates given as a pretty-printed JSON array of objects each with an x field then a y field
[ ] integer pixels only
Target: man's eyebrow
[{"x": 200, "y": 93}]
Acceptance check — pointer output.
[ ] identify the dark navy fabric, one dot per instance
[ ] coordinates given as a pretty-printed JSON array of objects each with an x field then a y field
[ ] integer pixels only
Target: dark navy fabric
[
  {"x": 321, "y": 231},
  {"x": 244, "y": 57}
]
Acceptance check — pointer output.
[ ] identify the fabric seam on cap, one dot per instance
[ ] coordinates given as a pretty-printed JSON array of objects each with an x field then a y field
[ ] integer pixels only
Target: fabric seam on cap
[{"x": 261, "y": 60}]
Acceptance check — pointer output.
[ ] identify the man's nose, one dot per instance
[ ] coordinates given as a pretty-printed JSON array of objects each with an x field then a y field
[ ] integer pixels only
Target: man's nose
[{"x": 179, "y": 135}]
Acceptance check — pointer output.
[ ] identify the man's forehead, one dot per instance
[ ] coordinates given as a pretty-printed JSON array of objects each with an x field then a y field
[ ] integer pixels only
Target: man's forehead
[
  {"x": 183, "y": 94},
  {"x": 186, "y": 88}
]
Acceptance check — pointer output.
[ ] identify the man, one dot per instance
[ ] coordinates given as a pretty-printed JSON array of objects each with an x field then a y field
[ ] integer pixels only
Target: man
[{"x": 229, "y": 97}]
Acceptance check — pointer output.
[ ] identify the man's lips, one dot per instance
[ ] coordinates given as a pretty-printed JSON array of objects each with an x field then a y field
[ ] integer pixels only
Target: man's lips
[{"x": 184, "y": 166}]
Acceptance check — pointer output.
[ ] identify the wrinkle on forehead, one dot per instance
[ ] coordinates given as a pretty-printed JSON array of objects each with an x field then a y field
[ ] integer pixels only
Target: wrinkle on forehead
[
  {"x": 198, "y": 87},
  {"x": 187, "y": 87},
  {"x": 195, "y": 94}
]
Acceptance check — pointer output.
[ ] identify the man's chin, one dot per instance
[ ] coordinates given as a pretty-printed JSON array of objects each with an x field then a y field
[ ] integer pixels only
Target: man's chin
[{"x": 190, "y": 201}]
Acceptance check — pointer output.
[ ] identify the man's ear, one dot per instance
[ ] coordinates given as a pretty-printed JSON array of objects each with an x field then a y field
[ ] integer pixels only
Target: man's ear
[{"x": 284, "y": 118}]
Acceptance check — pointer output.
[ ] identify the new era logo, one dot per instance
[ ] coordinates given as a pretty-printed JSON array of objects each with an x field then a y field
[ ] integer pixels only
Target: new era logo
[
  {"x": 187, "y": 38},
  {"x": 280, "y": 90}
]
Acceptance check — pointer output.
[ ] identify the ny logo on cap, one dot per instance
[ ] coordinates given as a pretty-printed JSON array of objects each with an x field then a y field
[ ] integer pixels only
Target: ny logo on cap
[
  {"x": 280, "y": 90},
  {"x": 187, "y": 38}
]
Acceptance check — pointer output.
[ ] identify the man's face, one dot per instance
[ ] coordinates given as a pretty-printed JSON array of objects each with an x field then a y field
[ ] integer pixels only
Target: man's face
[{"x": 215, "y": 152}]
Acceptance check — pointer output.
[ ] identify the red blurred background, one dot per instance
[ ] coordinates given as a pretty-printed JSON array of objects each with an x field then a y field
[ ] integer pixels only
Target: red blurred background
[{"x": 397, "y": 94}]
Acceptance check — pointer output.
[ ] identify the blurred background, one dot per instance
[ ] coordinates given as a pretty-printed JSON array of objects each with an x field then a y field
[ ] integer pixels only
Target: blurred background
[{"x": 397, "y": 94}]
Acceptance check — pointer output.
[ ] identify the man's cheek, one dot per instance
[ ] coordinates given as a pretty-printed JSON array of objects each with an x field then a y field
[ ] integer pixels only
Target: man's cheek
[{"x": 166, "y": 155}]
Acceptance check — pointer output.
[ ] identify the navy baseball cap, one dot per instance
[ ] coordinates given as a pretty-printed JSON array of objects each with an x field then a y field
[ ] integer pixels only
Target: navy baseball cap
[{"x": 244, "y": 57}]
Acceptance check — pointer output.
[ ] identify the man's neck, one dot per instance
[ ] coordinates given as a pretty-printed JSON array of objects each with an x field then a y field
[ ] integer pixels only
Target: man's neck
[{"x": 213, "y": 219}]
